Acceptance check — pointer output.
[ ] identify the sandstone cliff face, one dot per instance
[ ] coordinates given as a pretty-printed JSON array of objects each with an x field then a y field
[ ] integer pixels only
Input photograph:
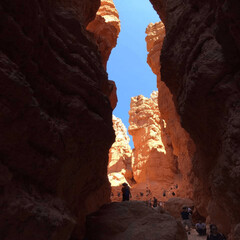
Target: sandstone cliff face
[
  {"x": 182, "y": 146},
  {"x": 154, "y": 164},
  {"x": 120, "y": 154},
  {"x": 120, "y": 160},
  {"x": 106, "y": 28},
  {"x": 56, "y": 120},
  {"x": 200, "y": 64}
]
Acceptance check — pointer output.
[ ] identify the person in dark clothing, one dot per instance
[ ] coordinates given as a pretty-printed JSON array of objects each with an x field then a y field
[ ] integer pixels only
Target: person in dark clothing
[
  {"x": 155, "y": 202},
  {"x": 185, "y": 219},
  {"x": 125, "y": 192},
  {"x": 164, "y": 193},
  {"x": 214, "y": 234},
  {"x": 201, "y": 228}
]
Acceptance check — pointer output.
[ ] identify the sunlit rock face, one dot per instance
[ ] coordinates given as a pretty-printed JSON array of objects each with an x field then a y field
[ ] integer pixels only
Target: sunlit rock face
[
  {"x": 182, "y": 146},
  {"x": 154, "y": 164},
  {"x": 200, "y": 64},
  {"x": 56, "y": 120},
  {"x": 120, "y": 154},
  {"x": 154, "y": 39},
  {"x": 106, "y": 28},
  {"x": 120, "y": 160},
  {"x": 133, "y": 220}
]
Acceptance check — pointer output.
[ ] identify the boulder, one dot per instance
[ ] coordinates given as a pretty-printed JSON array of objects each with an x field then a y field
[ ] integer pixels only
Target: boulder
[{"x": 133, "y": 221}]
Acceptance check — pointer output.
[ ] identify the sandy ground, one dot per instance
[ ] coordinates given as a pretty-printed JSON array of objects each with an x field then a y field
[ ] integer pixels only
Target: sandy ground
[{"x": 194, "y": 236}]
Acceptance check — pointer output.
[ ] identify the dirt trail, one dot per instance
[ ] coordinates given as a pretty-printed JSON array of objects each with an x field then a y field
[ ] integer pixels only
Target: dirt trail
[{"x": 194, "y": 236}]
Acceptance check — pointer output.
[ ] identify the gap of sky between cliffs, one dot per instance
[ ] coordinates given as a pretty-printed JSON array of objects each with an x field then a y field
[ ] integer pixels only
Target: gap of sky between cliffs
[{"x": 127, "y": 65}]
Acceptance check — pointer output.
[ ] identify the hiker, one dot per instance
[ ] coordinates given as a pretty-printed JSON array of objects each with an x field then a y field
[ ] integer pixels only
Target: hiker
[
  {"x": 150, "y": 202},
  {"x": 125, "y": 192},
  {"x": 190, "y": 215},
  {"x": 185, "y": 219},
  {"x": 155, "y": 202},
  {"x": 201, "y": 228},
  {"x": 148, "y": 192},
  {"x": 164, "y": 193},
  {"x": 214, "y": 234}
]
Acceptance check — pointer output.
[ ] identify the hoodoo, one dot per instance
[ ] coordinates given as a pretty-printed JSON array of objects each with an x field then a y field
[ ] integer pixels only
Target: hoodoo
[
  {"x": 158, "y": 163},
  {"x": 56, "y": 125}
]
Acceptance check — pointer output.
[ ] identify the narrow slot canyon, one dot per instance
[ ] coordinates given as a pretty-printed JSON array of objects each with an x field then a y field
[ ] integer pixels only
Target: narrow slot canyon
[{"x": 63, "y": 154}]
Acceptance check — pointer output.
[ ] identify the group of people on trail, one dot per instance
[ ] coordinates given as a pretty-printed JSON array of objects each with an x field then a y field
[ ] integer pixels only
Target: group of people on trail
[
  {"x": 126, "y": 195},
  {"x": 200, "y": 227},
  {"x": 186, "y": 215}
]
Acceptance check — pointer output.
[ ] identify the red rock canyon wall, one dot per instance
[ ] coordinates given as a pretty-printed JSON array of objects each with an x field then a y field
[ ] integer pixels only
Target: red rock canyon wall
[
  {"x": 105, "y": 29},
  {"x": 120, "y": 153},
  {"x": 156, "y": 164},
  {"x": 200, "y": 64},
  {"x": 56, "y": 119},
  {"x": 182, "y": 146},
  {"x": 120, "y": 160}
]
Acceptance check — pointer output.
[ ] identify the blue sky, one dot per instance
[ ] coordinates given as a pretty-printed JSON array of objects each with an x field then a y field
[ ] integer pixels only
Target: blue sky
[{"x": 127, "y": 64}]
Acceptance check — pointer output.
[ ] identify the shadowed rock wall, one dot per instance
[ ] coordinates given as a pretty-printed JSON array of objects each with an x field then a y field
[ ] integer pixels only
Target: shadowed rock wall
[
  {"x": 56, "y": 119},
  {"x": 200, "y": 64},
  {"x": 105, "y": 29},
  {"x": 182, "y": 145}
]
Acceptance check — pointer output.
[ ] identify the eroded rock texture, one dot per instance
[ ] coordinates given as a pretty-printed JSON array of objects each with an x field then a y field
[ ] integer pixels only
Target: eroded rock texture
[
  {"x": 106, "y": 28},
  {"x": 133, "y": 221},
  {"x": 56, "y": 120},
  {"x": 120, "y": 154},
  {"x": 120, "y": 160},
  {"x": 200, "y": 64},
  {"x": 154, "y": 164},
  {"x": 182, "y": 146}
]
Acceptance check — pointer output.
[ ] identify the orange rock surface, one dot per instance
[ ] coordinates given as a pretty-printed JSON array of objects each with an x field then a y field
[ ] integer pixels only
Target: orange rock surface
[
  {"x": 106, "y": 28},
  {"x": 154, "y": 164},
  {"x": 120, "y": 160},
  {"x": 200, "y": 62},
  {"x": 120, "y": 154},
  {"x": 182, "y": 146}
]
